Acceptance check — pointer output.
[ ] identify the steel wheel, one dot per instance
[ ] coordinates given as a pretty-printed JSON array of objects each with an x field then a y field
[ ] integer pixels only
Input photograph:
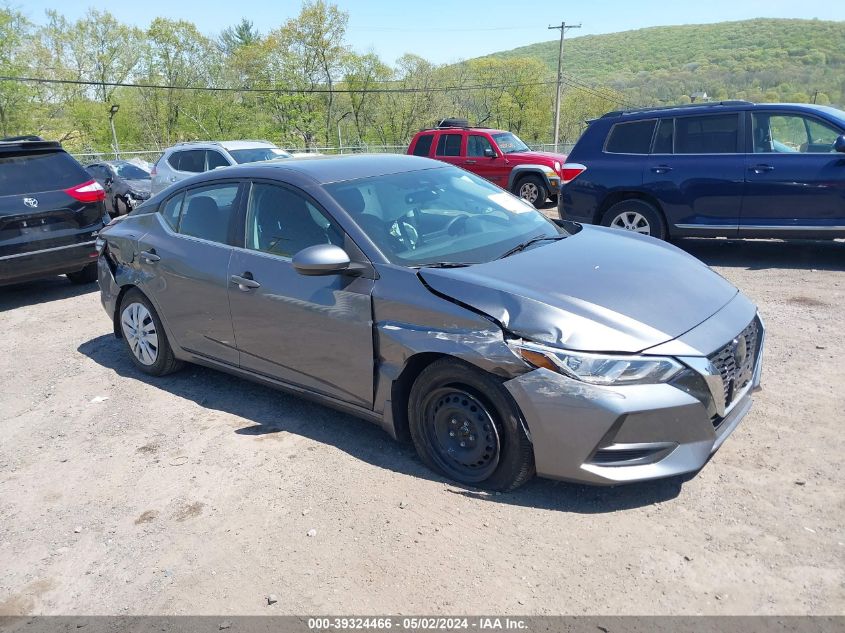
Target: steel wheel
[
  {"x": 462, "y": 434},
  {"x": 139, "y": 330},
  {"x": 632, "y": 221},
  {"x": 529, "y": 192}
]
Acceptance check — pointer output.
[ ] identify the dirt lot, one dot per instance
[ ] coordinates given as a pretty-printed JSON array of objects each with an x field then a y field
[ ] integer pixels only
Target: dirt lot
[{"x": 196, "y": 493}]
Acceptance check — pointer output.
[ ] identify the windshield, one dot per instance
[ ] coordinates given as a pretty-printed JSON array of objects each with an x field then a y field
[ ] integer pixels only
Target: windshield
[
  {"x": 257, "y": 154},
  {"x": 510, "y": 143},
  {"x": 129, "y": 171},
  {"x": 440, "y": 216}
]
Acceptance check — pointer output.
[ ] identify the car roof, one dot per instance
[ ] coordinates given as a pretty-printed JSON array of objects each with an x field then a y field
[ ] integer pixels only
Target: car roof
[
  {"x": 227, "y": 145},
  {"x": 328, "y": 169},
  {"x": 718, "y": 106}
]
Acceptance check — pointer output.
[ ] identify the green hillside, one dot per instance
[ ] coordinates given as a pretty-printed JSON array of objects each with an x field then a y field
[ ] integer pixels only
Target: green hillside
[{"x": 760, "y": 60}]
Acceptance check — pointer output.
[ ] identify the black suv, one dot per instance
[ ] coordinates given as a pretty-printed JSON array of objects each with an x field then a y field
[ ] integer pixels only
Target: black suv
[
  {"x": 728, "y": 169},
  {"x": 50, "y": 213}
]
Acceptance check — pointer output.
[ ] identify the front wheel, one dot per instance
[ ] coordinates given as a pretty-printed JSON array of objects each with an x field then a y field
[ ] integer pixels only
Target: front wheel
[
  {"x": 464, "y": 425},
  {"x": 532, "y": 189},
  {"x": 636, "y": 215}
]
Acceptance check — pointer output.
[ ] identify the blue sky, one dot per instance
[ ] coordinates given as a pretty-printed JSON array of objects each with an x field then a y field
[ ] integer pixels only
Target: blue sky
[{"x": 448, "y": 30}]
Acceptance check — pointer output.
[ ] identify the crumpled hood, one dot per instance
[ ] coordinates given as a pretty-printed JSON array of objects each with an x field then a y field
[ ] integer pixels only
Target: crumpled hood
[
  {"x": 602, "y": 290},
  {"x": 141, "y": 186}
]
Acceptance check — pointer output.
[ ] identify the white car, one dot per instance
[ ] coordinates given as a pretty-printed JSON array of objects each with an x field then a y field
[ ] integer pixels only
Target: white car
[{"x": 188, "y": 159}]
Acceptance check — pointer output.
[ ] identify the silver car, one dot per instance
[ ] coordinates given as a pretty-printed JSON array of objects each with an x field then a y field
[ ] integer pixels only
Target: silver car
[
  {"x": 431, "y": 302},
  {"x": 184, "y": 160}
]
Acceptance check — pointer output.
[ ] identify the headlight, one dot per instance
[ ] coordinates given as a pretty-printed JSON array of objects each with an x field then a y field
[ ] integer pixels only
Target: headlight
[
  {"x": 557, "y": 166},
  {"x": 600, "y": 369}
]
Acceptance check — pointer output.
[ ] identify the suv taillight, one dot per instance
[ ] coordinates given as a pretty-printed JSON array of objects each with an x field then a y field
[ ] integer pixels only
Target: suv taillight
[
  {"x": 153, "y": 172},
  {"x": 90, "y": 191},
  {"x": 571, "y": 171}
]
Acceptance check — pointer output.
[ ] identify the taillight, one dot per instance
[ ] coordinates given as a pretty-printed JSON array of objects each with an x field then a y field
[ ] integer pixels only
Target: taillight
[
  {"x": 571, "y": 171},
  {"x": 90, "y": 191},
  {"x": 154, "y": 171}
]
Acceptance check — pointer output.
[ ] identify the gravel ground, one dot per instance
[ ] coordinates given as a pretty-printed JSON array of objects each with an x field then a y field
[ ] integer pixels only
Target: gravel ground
[{"x": 201, "y": 493}]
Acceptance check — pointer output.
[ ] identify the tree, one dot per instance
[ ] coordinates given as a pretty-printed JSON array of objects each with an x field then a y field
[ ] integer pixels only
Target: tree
[
  {"x": 15, "y": 32},
  {"x": 236, "y": 37}
]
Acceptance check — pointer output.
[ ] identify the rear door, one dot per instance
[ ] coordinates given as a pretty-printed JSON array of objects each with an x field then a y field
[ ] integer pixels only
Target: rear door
[
  {"x": 795, "y": 180},
  {"x": 450, "y": 147},
  {"x": 47, "y": 201},
  {"x": 315, "y": 332},
  {"x": 697, "y": 173},
  {"x": 184, "y": 264}
]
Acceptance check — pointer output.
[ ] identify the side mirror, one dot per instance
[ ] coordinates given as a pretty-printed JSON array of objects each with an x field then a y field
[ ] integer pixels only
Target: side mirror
[
  {"x": 839, "y": 144},
  {"x": 490, "y": 153},
  {"x": 322, "y": 259},
  {"x": 108, "y": 181}
]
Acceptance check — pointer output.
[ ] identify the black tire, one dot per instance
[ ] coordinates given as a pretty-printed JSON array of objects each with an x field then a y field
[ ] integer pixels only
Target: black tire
[
  {"x": 639, "y": 215},
  {"x": 532, "y": 189},
  {"x": 165, "y": 362},
  {"x": 87, "y": 275},
  {"x": 452, "y": 403}
]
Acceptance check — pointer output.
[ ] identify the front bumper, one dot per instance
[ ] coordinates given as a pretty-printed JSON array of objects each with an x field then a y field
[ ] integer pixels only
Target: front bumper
[{"x": 623, "y": 434}]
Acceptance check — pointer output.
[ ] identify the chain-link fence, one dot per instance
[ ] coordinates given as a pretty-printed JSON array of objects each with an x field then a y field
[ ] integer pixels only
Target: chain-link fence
[{"x": 151, "y": 155}]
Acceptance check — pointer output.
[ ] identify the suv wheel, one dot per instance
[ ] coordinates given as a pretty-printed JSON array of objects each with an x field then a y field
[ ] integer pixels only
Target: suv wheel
[
  {"x": 87, "y": 275},
  {"x": 635, "y": 215},
  {"x": 532, "y": 189}
]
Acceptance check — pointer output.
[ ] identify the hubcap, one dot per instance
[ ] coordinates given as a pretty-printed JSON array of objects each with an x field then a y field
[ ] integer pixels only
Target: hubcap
[
  {"x": 462, "y": 434},
  {"x": 139, "y": 330},
  {"x": 529, "y": 192},
  {"x": 631, "y": 221}
]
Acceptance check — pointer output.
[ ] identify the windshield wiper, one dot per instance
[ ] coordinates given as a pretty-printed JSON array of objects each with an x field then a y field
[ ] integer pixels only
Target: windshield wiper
[
  {"x": 534, "y": 240},
  {"x": 447, "y": 265}
]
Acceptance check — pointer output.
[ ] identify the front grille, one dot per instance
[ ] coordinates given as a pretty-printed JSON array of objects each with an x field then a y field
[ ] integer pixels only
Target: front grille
[{"x": 735, "y": 361}]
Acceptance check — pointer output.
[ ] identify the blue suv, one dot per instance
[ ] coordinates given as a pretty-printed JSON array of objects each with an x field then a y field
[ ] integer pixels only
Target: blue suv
[{"x": 728, "y": 169}]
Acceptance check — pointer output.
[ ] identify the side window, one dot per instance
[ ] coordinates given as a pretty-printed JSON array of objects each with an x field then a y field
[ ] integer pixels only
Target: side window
[
  {"x": 282, "y": 222},
  {"x": 423, "y": 146},
  {"x": 477, "y": 144},
  {"x": 791, "y": 133},
  {"x": 207, "y": 212},
  {"x": 191, "y": 160},
  {"x": 711, "y": 134},
  {"x": 216, "y": 159},
  {"x": 664, "y": 140},
  {"x": 171, "y": 209},
  {"x": 449, "y": 145},
  {"x": 631, "y": 138}
]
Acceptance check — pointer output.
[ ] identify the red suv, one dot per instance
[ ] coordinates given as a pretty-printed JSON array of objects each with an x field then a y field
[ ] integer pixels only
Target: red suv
[{"x": 496, "y": 155}]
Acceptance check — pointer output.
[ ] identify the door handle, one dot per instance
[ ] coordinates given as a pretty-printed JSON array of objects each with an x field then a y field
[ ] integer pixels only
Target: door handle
[
  {"x": 661, "y": 169},
  {"x": 244, "y": 283},
  {"x": 470, "y": 162},
  {"x": 150, "y": 256},
  {"x": 761, "y": 169}
]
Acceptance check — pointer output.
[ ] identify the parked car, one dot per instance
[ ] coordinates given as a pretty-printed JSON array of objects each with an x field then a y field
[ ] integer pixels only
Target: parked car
[
  {"x": 728, "y": 169},
  {"x": 426, "y": 299},
  {"x": 499, "y": 156},
  {"x": 50, "y": 213},
  {"x": 183, "y": 160},
  {"x": 125, "y": 183}
]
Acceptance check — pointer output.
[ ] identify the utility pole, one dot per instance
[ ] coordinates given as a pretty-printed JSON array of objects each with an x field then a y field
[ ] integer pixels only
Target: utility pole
[{"x": 563, "y": 28}]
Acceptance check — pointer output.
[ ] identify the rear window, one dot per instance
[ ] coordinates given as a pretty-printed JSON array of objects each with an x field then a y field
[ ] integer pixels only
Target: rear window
[
  {"x": 712, "y": 134},
  {"x": 31, "y": 172},
  {"x": 423, "y": 146},
  {"x": 449, "y": 145},
  {"x": 631, "y": 138}
]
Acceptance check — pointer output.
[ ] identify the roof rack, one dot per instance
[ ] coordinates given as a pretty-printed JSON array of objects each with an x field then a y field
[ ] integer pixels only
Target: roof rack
[
  {"x": 24, "y": 137},
  {"x": 704, "y": 104},
  {"x": 244, "y": 140},
  {"x": 29, "y": 142}
]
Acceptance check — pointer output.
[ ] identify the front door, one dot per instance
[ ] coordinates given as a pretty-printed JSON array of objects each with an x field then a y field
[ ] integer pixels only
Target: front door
[
  {"x": 314, "y": 332},
  {"x": 492, "y": 168},
  {"x": 185, "y": 265},
  {"x": 795, "y": 180}
]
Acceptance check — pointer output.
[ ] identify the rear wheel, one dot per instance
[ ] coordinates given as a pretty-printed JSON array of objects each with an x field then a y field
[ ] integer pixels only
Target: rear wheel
[
  {"x": 87, "y": 275},
  {"x": 636, "y": 215},
  {"x": 464, "y": 426},
  {"x": 144, "y": 335},
  {"x": 532, "y": 189}
]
